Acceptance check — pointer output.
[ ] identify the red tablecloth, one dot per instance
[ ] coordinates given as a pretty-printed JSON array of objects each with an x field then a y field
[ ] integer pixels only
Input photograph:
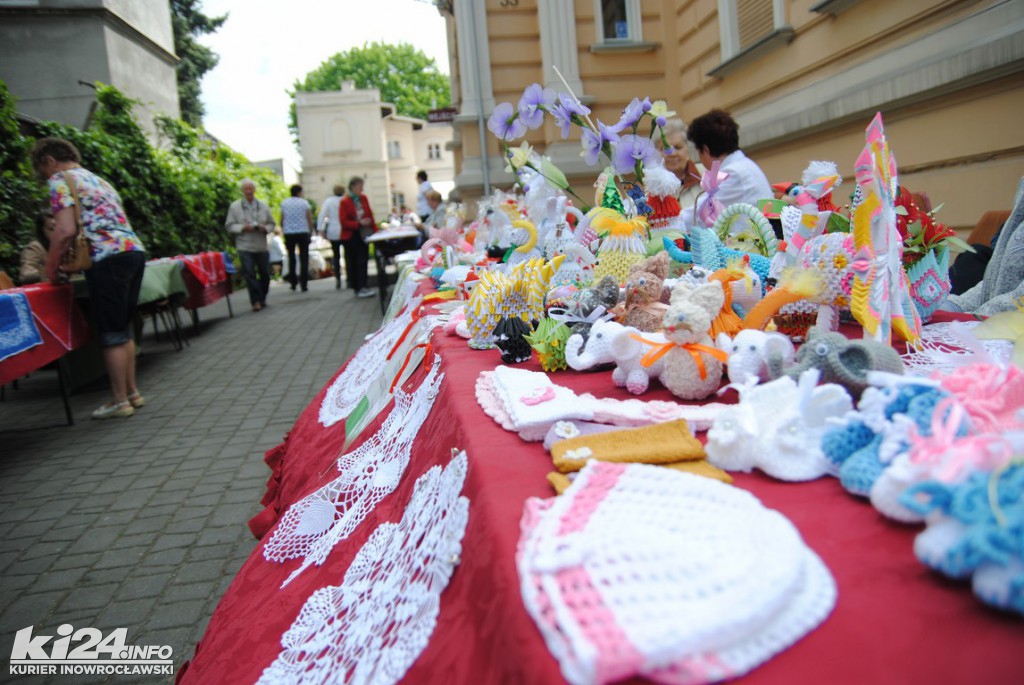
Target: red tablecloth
[
  {"x": 60, "y": 323},
  {"x": 894, "y": 620},
  {"x": 205, "y": 278}
]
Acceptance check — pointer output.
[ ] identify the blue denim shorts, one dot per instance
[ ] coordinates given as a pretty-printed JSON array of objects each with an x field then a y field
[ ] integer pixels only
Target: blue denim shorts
[{"x": 114, "y": 284}]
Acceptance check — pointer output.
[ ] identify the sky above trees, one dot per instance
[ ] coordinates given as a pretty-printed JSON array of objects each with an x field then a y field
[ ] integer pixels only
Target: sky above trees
[{"x": 265, "y": 46}]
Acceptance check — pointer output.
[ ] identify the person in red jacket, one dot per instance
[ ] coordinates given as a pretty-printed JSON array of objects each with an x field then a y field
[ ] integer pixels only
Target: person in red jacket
[{"x": 355, "y": 214}]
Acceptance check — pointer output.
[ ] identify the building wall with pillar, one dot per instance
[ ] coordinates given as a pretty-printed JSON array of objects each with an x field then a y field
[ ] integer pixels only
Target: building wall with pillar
[
  {"x": 802, "y": 77},
  {"x": 52, "y": 51}
]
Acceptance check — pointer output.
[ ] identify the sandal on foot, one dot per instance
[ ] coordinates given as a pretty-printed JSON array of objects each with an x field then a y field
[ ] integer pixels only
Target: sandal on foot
[
  {"x": 111, "y": 411},
  {"x": 136, "y": 399}
]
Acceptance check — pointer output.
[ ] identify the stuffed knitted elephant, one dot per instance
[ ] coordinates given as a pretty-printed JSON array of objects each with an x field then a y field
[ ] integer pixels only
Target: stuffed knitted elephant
[{"x": 840, "y": 360}]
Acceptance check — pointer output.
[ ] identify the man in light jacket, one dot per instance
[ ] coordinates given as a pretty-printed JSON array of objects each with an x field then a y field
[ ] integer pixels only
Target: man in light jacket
[{"x": 250, "y": 220}]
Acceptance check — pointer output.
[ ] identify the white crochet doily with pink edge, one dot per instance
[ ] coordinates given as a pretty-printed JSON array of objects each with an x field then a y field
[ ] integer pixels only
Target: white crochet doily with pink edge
[
  {"x": 944, "y": 348},
  {"x": 366, "y": 365},
  {"x": 372, "y": 627},
  {"x": 315, "y": 524},
  {"x": 528, "y": 403},
  {"x": 640, "y": 571}
]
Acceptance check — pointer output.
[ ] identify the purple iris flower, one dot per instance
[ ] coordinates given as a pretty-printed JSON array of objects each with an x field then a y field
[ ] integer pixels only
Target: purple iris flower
[
  {"x": 530, "y": 104},
  {"x": 631, "y": 148},
  {"x": 632, "y": 113},
  {"x": 563, "y": 111},
  {"x": 594, "y": 142},
  {"x": 503, "y": 125}
]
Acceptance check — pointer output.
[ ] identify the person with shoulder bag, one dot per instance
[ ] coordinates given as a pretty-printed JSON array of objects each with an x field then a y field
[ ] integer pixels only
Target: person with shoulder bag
[{"x": 89, "y": 216}]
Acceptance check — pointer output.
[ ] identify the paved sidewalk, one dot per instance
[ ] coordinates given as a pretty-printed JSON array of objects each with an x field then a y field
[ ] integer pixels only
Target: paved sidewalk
[{"x": 140, "y": 523}]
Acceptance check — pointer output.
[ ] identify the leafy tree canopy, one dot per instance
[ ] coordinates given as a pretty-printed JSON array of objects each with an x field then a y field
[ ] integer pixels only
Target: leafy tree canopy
[
  {"x": 404, "y": 75},
  {"x": 189, "y": 22}
]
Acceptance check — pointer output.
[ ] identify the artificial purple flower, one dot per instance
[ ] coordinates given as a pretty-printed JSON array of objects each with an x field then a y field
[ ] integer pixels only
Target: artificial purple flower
[
  {"x": 504, "y": 124},
  {"x": 632, "y": 113},
  {"x": 572, "y": 105},
  {"x": 632, "y": 148},
  {"x": 660, "y": 121},
  {"x": 593, "y": 142},
  {"x": 563, "y": 118},
  {"x": 531, "y": 103}
]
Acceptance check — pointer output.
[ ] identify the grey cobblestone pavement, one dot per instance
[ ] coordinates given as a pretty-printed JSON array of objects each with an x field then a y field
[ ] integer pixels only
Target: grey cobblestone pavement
[{"x": 140, "y": 523}]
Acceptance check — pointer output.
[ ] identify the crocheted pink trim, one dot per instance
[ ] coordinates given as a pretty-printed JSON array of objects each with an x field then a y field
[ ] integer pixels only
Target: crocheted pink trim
[
  {"x": 951, "y": 458},
  {"x": 487, "y": 398},
  {"x": 586, "y": 501},
  {"x": 616, "y": 656}
]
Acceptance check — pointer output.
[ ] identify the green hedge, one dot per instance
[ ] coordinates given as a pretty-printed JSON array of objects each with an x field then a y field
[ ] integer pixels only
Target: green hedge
[{"x": 176, "y": 196}]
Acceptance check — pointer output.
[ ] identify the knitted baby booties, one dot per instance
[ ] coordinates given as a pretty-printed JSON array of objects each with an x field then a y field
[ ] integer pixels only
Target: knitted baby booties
[{"x": 975, "y": 528}]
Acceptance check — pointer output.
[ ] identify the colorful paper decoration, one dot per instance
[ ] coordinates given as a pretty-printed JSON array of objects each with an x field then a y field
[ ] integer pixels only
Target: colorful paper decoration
[{"x": 881, "y": 293}]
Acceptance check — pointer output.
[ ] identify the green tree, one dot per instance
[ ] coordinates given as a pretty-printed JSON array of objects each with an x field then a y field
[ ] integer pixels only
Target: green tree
[
  {"x": 189, "y": 22},
  {"x": 22, "y": 196},
  {"x": 405, "y": 76},
  {"x": 175, "y": 196}
]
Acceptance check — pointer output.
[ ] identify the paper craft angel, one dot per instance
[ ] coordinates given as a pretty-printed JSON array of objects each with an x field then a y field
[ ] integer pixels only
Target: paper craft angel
[{"x": 881, "y": 299}]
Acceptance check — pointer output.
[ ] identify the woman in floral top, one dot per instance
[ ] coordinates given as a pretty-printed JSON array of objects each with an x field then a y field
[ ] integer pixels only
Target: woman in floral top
[{"x": 118, "y": 260}]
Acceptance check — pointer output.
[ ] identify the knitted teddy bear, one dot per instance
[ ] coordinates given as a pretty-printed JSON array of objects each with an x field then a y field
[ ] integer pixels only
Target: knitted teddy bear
[
  {"x": 644, "y": 308},
  {"x": 693, "y": 366}
]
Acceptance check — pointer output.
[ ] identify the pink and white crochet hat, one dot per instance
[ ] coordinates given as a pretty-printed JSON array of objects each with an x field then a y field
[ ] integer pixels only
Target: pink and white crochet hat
[{"x": 666, "y": 575}]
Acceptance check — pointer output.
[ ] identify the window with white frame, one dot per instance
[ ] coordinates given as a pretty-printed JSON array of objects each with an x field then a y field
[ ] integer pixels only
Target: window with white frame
[
  {"x": 743, "y": 23},
  {"x": 397, "y": 200},
  {"x": 433, "y": 151},
  {"x": 617, "y": 21},
  {"x": 394, "y": 149}
]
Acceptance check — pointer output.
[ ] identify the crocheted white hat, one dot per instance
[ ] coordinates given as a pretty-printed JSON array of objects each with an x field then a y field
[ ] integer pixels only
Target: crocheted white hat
[{"x": 639, "y": 570}]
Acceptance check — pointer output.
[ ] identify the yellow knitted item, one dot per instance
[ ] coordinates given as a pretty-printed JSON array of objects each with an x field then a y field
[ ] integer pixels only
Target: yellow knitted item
[
  {"x": 698, "y": 467},
  {"x": 659, "y": 443}
]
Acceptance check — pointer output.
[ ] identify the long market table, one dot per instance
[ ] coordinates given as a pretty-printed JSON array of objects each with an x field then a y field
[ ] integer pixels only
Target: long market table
[{"x": 894, "y": 621}]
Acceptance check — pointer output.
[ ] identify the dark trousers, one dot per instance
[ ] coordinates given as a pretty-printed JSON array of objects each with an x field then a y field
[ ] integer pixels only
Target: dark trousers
[
  {"x": 253, "y": 262},
  {"x": 336, "y": 260},
  {"x": 357, "y": 257},
  {"x": 291, "y": 241}
]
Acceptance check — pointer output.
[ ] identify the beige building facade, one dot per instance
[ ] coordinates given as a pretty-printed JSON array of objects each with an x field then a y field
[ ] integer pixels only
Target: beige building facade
[
  {"x": 802, "y": 77},
  {"x": 350, "y": 132}
]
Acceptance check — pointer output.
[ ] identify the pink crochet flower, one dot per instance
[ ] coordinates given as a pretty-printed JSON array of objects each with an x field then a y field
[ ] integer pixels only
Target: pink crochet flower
[{"x": 992, "y": 395}]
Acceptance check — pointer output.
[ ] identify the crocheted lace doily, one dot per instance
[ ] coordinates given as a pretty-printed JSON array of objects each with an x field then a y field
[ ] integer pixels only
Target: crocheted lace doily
[
  {"x": 315, "y": 524},
  {"x": 372, "y": 627},
  {"x": 944, "y": 350},
  {"x": 366, "y": 365},
  {"x": 639, "y": 571}
]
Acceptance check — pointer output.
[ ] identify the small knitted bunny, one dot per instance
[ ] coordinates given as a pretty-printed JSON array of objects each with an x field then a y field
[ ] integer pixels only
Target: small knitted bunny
[
  {"x": 644, "y": 309},
  {"x": 693, "y": 366}
]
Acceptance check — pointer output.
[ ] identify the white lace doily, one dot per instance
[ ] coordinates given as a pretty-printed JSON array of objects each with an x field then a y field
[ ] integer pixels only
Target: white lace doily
[
  {"x": 639, "y": 571},
  {"x": 943, "y": 349},
  {"x": 365, "y": 365},
  {"x": 372, "y": 627},
  {"x": 315, "y": 524}
]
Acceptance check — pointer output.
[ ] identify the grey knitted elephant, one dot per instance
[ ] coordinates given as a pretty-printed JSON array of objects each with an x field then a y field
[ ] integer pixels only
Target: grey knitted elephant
[{"x": 840, "y": 360}]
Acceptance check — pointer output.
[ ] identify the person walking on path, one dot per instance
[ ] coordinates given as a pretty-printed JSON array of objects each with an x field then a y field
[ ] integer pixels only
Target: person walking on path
[
  {"x": 422, "y": 208},
  {"x": 332, "y": 230},
  {"x": 356, "y": 217},
  {"x": 250, "y": 220},
  {"x": 118, "y": 260},
  {"x": 297, "y": 224}
]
